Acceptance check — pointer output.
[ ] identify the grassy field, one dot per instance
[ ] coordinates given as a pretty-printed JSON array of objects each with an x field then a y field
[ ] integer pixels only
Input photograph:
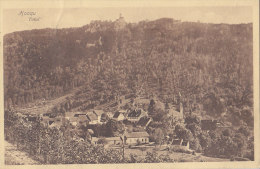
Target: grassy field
[
  {"x": 176, "y": 156},
  {"x": 43, "y": 106}
]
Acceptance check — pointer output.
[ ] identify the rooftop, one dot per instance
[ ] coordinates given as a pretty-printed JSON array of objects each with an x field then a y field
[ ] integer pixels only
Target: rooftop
[
  {"x": 116, "y": 115},
  {"x": 135, "y": 113},
  {"x": 92, "y": 116},
  {"x": 144, "y": 121}
]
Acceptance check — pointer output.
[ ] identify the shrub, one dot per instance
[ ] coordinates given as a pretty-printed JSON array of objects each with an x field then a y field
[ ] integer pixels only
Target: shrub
[{"x": 180, "y": 149}]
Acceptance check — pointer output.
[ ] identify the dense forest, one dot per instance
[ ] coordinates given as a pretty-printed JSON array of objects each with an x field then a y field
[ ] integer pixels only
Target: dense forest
[{"x": 210, "y": 65}]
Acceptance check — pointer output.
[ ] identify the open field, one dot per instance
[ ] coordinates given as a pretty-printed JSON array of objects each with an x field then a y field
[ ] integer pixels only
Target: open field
[
  {"x": 176, "y": 156},
  {"x": 43, "y": 106}
]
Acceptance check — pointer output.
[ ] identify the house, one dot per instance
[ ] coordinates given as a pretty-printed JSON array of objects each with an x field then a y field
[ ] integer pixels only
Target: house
[
  {"x": 113, "y": 140},
  {"x": 118, "y": 116},
  {"x": 110, "y": 115},
  {"x": 185, "y": 144},
  {"x": 99, "y": 114},
  {"x": 136, "y": 137},
  {"x": 135, "y": 115},
  {"x": 51, "y": 122},
  {"x": 89, "y": 45},
  {"x": 80, "y": 120},
  {"x": 73, "y": 121},
  {"x": 144, "y": 121},
  {"x": 140, "y": 101},
  {"x": 56, "y": 124},
  {"x": 109, "y": 140},
  {"x": 94, "y": 140},
  {"x": 181, "y": 143},
  {"x": 83, "y": 120},
  {"x": 69, "y": 115},
  {"x": 77, "y": 118},
  {"x": 222, "y": 126},
  {"x": 93, "y": 117}
]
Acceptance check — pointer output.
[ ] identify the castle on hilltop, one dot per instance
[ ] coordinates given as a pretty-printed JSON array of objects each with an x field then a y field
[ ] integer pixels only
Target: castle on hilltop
[{"x": 120, "y": 23}]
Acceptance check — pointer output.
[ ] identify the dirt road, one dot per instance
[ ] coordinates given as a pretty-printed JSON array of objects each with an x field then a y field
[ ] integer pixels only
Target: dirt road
[{"x": 16, "y": 157}]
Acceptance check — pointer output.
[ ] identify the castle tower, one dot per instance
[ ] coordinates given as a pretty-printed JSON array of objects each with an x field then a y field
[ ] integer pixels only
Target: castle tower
[{"x": 120, "y": 23}]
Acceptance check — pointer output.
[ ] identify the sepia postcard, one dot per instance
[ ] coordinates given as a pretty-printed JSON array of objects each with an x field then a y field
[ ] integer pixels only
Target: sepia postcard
[{"x": 134, "y": 84}]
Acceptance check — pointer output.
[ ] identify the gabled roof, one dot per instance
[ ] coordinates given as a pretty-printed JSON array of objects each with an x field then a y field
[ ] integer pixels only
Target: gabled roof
[
  {"x": 135, "y": 113},
  {"x": 83, "y": 118},
  {"x": 79, "y": 114},
  {"x": 74, "y": 114},
  {"x": 117, "y": 114},
  {"x": 92, "y": 116},
  {"x": 55, "y": 124},
  {"x": 136, "y": 134},
  {"x": 94, "y": 139},
  {"x": 144, "y": 121}
]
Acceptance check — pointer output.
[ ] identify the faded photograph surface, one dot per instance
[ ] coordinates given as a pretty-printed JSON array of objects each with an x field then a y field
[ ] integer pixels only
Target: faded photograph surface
[{"x": 128, "y": 85}]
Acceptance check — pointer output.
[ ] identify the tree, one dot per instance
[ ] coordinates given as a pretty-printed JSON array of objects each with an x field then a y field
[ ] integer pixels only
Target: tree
[
  {"x": 152, "y": 157},
  {"x": 244, "y": 130},
  {"x": 159, "y": 116},
  {"x": 205, "y": 140},
  {"x": 182, "y": 132},
  {"x": 114, "y": 128},
  {"x": 158, "y": 136},
  {"x": 247, "y": 116},
  {"x": 227, "y": 132},
  {"x": 240, "y": 144},
  {"x": 151, "y": 108}
]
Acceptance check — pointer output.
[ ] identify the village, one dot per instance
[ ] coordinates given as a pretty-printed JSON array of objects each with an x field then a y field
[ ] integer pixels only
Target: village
[
  {"x": 114, "y": 91},
  {"x": 125, "y": 127}
]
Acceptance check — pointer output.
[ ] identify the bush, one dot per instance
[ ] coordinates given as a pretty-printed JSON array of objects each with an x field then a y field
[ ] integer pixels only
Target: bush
[{"x": 180, "y": 149}]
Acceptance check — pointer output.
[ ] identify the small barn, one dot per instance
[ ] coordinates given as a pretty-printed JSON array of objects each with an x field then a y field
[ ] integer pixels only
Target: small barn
[{"x": 137, "y": 137}]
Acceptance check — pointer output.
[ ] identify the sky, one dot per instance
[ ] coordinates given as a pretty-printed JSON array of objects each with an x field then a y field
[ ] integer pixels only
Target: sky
[{"x": 18, "y": 19}]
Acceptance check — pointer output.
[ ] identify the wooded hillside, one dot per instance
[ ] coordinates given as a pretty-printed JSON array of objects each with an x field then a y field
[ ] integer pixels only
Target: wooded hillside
[{"x": 210, "y": 65}]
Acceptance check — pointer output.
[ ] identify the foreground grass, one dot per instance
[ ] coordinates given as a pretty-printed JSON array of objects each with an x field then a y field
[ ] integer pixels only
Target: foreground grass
[
  {"x": 16, "y": 157},
  {"x": 176, "y": 156}
]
